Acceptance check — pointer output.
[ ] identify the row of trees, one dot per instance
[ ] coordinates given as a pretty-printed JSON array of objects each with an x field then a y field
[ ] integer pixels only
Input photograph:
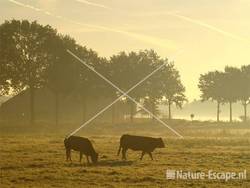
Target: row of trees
[
  {"x": 34, "y": 56},
  {"x": 228, "y": 86}
]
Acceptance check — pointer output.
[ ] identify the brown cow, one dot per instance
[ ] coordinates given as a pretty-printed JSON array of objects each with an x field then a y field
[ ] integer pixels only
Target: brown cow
[
  {"x": 83, "y": 145},
  {"x": 139, "y": 143}
]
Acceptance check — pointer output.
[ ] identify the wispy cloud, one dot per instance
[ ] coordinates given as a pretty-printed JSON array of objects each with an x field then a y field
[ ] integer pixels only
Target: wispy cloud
[
  {"x": 208, "y": 26},
  {"x": 200, "y": 23},
  {"x": 25, "y": 5},
  {"x": 166, "y": 44},
  {"x": 93, "y": 4}
]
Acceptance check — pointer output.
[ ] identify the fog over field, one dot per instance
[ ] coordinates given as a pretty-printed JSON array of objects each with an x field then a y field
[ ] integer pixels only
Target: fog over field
[{"x": 205, "y": 111}]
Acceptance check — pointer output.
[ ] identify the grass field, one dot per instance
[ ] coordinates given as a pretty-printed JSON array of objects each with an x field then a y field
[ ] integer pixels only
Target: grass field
[{"x": 36, "y": 157}]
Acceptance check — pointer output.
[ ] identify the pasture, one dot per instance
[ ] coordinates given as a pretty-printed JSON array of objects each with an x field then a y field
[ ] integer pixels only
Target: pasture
[{"x": 35, "y": 157}]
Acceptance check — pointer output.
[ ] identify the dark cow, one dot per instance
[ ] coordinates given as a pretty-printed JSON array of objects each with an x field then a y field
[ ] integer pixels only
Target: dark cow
[
  {"x": 83, "y": 145},
  {"x": 139, "y": 143}
]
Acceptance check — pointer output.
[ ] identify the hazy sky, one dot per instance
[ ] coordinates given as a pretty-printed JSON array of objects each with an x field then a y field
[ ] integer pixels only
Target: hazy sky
[{"x": 210, "y": 33}]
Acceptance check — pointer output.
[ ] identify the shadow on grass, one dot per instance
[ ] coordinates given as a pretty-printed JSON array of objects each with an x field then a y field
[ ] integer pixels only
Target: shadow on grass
[
  {"x": 109, "y": 163},
  {"x": 114, "y": 163}
]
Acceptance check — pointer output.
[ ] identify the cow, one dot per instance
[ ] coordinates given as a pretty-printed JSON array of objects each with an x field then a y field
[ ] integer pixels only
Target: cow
[
  {"x": 81, "y": 144},
  {"x": 139, "y": 143}
]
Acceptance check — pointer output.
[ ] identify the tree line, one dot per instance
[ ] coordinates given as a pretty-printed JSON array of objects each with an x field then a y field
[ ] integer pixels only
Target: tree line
[
  {"x": 34, "y": 56},
  {"x": 228, "y": 86}
]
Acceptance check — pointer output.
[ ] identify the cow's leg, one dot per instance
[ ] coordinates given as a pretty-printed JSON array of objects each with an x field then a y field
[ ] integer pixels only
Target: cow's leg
[
  {"x": 124, "y": 150},
  {"x": 123, "y": 154},
  {"x": 151, "y": 156},
  {"x": 142, "y": 154},
  {"x": 87, "y": 157},
  {"x": 70, "y": 155},
  {"x": 80, "y": 157},
  {"x": 118, "y": 153},
  {"x": 67, "y": 154}
]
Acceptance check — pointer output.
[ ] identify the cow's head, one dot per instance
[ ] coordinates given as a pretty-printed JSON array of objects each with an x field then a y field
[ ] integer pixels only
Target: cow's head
[
  {"x": 160, "y": 143},
  {"x": 94, "y": 158}
]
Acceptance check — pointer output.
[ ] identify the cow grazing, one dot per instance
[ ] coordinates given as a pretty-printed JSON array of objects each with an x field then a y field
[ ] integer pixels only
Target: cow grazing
[
  {"x": 139, "y": 143},
  {"x": 83, "y": 145}
]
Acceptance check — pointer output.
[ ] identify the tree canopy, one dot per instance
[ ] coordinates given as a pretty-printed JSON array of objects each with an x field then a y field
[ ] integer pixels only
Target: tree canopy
[{"x": 229, "y": 86}]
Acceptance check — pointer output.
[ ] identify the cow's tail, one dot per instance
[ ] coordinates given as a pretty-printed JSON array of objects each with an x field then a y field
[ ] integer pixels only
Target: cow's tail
[
  {"x": 121, "y": 144},
  {"x": 119, "y": 150},
  {"x": 65, "y": 142}
]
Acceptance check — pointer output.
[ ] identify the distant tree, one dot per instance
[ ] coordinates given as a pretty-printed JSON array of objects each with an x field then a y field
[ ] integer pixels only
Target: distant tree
[
  {"x": 152, "y": 105},
  {"x": 192, "y": 116},
  {"x": 172, "y": 89},
  {"x": 62, "y": 72},
  {"x": 211, "y": 87},
  {"x": 231, "y": 87},
  {"x": 151, "y": 90},
  {"x": 25, "y": 55},
  {"x": 89, "y": 85},
  {"x": 244, "y": 91},
  {"x": 4, "y": 85},
  {"x": 127, "y": 70}
]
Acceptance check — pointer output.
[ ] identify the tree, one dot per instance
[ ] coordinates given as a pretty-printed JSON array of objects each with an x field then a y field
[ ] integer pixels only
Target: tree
[
  {"x": 192, "y": 117},
  {"x": 136, "y": 66},
  {"x": 152, "y": 105},
  {"x": 172, "y": 88},
  {"x": 231, "y": 87},
  {"x": 4, "y": 84},
  {"x": 244, "y": 92},
  {"x": 62, "y": 72},
  {"x": 150, "y": 90},
  {"x": 89, "y": 85},
  {"x": 125, "y": 71},
  {"x": 24, "y": 54},
  {"x": 211, "y": 87}
]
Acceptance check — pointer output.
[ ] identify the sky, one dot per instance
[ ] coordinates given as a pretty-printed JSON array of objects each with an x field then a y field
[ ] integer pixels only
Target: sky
[{"x": 210, "y": 34}]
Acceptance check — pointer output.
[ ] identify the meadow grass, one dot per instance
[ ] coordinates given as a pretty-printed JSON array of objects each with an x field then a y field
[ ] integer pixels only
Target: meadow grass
[{"x": 36, "y": 157}]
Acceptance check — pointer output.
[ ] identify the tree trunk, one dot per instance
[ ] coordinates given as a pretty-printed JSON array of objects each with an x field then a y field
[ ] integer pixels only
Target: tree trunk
[
  {"x": 131, "y": 111},
  {"x": 113, "y": 114},
  {"x": 153, "y": 110},
  {"x": 245, "y": 111},
  {"x": 218, "y": 111},
  {"x": 169, "y": 111},
  {"x": 84, "y": 108},
  {"x": 56, "y": 107},
  {"x": 231, "y": 112},
  {"x": 32, "y": 97}
]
